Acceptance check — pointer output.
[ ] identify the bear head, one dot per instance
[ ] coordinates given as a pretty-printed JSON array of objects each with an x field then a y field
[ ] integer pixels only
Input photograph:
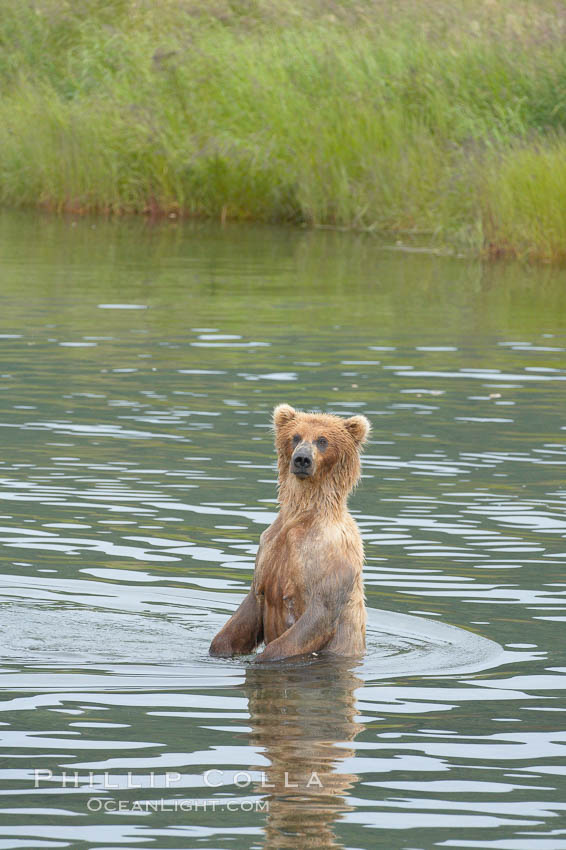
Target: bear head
[{"x": 317, "y": 452}]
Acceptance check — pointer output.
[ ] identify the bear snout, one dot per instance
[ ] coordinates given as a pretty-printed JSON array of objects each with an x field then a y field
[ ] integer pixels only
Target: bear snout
[{"x": 302, "y": 462}]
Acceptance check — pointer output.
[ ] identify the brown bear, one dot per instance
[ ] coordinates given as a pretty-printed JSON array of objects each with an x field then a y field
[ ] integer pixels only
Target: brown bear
[{"x": 307, "y": 592}]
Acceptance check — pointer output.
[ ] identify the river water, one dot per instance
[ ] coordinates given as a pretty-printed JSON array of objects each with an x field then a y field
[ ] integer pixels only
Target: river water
[{"x": 139, "y": 366}]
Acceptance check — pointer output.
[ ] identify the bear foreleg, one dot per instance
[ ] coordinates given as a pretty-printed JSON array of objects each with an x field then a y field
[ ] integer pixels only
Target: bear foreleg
[
  {"x": 242, "y": 632},
  {"x": 310, "y": 633},
  {"x": 317, "y": 625}
]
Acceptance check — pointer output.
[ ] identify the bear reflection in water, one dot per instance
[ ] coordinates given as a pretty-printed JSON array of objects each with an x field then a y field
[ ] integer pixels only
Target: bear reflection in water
[{"x": 300, "y": 716}]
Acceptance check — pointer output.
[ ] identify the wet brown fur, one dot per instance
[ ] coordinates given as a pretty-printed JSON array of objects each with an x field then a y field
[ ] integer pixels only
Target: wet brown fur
[{"x": 307, "y": 592}]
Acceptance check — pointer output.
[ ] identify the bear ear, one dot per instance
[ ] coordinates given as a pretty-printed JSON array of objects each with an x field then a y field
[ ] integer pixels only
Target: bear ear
[
  {"x": 358, "y": 427},
  {"x": 283, "y": 414}
]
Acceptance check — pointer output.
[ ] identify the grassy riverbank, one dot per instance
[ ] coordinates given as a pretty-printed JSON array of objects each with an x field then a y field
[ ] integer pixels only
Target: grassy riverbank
[{"x": 447, "y": 118}]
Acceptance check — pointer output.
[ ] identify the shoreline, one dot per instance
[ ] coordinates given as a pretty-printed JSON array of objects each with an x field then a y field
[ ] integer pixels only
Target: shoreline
[{"x": 449, "y": 123}]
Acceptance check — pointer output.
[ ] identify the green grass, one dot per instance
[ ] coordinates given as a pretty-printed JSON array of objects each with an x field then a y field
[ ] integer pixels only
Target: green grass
[{"x": 444, "y": 118}]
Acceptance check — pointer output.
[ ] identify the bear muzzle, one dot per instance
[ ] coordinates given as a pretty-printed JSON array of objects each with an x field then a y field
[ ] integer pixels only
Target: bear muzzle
[{"x": 302, "y": 461}]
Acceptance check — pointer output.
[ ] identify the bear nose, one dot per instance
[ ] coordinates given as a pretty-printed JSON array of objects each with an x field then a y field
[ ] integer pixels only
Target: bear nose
[{"x": 302, "y": 462}]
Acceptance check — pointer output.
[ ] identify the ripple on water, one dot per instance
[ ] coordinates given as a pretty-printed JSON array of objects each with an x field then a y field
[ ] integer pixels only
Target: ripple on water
[{"x": 73, "y": 640}]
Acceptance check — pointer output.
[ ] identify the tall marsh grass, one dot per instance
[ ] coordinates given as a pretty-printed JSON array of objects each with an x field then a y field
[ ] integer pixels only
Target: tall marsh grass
[{"x": 439, "y": 117}]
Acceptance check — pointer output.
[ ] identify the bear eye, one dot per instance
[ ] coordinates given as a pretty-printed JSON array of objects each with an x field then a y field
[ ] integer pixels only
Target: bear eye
[
  {"x": 322, "y": 443},
  {"x": 296, "y": 439}
]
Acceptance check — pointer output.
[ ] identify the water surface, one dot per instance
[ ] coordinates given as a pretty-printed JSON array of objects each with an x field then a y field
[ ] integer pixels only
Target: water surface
[{"x": 138, "y": 369}]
